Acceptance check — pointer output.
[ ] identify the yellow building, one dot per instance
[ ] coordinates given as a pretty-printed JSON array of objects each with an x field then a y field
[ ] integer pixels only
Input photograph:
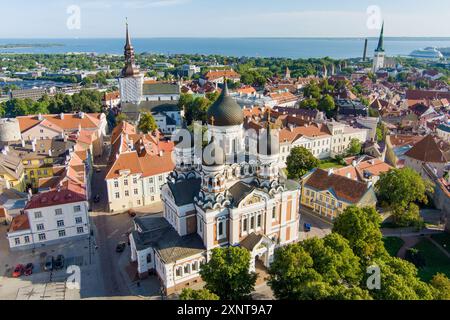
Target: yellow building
[
  {"x": 328, "y": 194},
  {"x": 41, "y": 158},
  {"x": 12, "y": 173}
]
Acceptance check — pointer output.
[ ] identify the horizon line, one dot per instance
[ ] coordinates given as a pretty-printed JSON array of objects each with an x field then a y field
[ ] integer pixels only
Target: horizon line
[{"x": 230, "y": 37}]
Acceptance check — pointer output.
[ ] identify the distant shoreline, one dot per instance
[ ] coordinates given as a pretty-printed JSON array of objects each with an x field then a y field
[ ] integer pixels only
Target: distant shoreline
[{"x": 30, "y": 45}]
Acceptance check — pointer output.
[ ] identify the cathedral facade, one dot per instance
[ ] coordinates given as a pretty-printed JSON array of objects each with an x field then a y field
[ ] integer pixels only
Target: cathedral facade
[{"x": 225, "y": 195}]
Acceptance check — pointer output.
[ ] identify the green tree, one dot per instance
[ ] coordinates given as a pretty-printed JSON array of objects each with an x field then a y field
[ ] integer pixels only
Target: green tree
[
  {"x": 400, "y": 187},
  {"x": 147, "y": 123},
  {"x": 441, "y": 287},
  {"x": 203, "y": 294},
  {"x": 327, "y": 105},
  {"x": 300, "y": 162},
  {"x": 361, "y": 227},
  {"x": 312, "y": 90},
  {"x": 408, "y": 216},
  {"x": 227, "y": 274},
  {"x": 317, "y": 269},
  {"x": 120, "y": 118},
  {"x": 399, "y": 281},
  {"x": 354, "y": 147},
  {"x": 309, "y": 104}
]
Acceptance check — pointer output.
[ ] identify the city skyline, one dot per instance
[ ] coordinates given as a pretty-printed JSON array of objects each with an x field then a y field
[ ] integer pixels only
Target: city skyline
[{"x": 201, "y": 18}]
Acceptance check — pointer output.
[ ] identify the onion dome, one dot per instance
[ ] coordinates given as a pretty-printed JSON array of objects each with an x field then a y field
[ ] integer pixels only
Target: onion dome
[{"x": 225, "y": 111}]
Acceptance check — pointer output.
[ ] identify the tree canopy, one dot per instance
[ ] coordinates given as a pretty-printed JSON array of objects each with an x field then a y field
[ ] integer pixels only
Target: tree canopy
[
  {"x": 202, "y": 294},
  {"x": 300, "y": 162},
  {"x": 147, "y": 123},
  {"x": 227, "y": 274}
]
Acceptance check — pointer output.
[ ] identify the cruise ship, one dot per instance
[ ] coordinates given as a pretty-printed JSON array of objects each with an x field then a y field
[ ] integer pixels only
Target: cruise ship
[{"x": 427, "y": 53}]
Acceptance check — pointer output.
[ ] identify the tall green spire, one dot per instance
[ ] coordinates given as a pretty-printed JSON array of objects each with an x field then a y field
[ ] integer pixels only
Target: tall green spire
[{"x": 380, "y": 47}]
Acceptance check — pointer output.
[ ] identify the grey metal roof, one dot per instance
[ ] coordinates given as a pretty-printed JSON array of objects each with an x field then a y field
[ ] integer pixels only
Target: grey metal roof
[
  {"x": 160, "y": 235},
  {"x": 160, "y": 89},
  {"x": 239, "y": 191},
  {"x": 184, "y": 191},
  {"x": 251, "y": 241},
  {"x": 132, "y": 110}
]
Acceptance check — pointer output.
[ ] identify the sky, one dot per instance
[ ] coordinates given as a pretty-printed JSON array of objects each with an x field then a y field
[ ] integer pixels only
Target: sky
[{"x": 223, "y": 18}]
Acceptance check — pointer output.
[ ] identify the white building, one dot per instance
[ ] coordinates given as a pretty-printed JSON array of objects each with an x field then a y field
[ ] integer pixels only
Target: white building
[
  {"x": 323, "y": 140},
  {"x": 140, "y": 165},
  {"x": 51, "y": 217},
  {"x": 236, "y": 197}
]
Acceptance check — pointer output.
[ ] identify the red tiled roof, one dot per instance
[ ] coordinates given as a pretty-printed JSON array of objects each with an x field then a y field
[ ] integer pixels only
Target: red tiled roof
[
  {"x": 71, "y": 121},
  {"x": 68, "y": 194},
  {"x": 347, "y": 189},
  {"x": 147, "y": 165},
  {"x": 19, "y": 223},
  {"x": 430, "y": 149},
  {"x": 216, "y": 74}
]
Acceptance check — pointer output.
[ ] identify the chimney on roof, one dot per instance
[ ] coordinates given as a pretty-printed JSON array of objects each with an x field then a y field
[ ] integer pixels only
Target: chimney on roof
[
  {"x": 50, "y": 154},
  {"x": 40, "y": 117},
  {"x": 330, "y": 172},
  {"x": 22, "y": 141},
  {"x": 354, "y": 163},
  {"x": 33, "y": 144},
  {"x": 81, "y": 114},
  {"x": 61, "y": 116},
  {"x": 30, "y": 194},
  {"x": 161, "y": 153}
]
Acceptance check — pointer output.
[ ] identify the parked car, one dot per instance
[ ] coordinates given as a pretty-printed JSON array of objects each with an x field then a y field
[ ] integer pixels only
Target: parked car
[
  {"x": 121, "y": 247},
  {"x": 307, "y": 227},
  {"x": 29, "y": 269},
  {"x": 97, "y": 198},
  {"x": 131, "y": 213},
  {"x": 49, "y": 263},
  {"x": 18, "y": 271},
  {"x": 59, "y": 262}
]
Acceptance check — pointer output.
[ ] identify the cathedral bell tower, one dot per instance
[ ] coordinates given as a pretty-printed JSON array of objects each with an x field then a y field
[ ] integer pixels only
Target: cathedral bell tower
[
  {"x": 380, "y": 55},
  {"x": 131, "y": 80}
]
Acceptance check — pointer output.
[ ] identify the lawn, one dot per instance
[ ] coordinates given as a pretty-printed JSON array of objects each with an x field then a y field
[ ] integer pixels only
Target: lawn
[
  {"x": 435, "y": 260},
  {"x": 328, "y": 164},
  {"x": 393, "y": 245},
  {"x": 443, "y": 239}
]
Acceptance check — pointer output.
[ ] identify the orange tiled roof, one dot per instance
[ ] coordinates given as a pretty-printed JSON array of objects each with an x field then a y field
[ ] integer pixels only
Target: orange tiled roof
[
  {"x": 148, "y": 165},
  {"x": 71, "y": 121},
  {"x": 313, "y": 130},
  {"x": 217, "y": 74},
  {"x": 347, "y": 189},
  {"x": 19, "y": 223}
]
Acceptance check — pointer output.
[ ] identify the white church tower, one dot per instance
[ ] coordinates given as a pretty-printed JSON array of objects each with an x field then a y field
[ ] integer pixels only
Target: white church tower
[
  {"x": 131, "y": 80},
  {"x": 380, "y": 55}
]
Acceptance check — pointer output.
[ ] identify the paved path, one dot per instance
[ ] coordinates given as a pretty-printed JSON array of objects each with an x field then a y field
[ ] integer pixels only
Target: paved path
[{"x": 409, "y": 243}]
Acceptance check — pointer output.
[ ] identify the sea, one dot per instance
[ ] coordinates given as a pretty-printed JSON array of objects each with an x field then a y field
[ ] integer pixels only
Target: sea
[{"x": 337, "y": 48}]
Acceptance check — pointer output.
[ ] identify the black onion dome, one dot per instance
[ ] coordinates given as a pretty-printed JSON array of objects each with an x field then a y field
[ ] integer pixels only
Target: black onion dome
[{"x": 225, "y": 111}]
